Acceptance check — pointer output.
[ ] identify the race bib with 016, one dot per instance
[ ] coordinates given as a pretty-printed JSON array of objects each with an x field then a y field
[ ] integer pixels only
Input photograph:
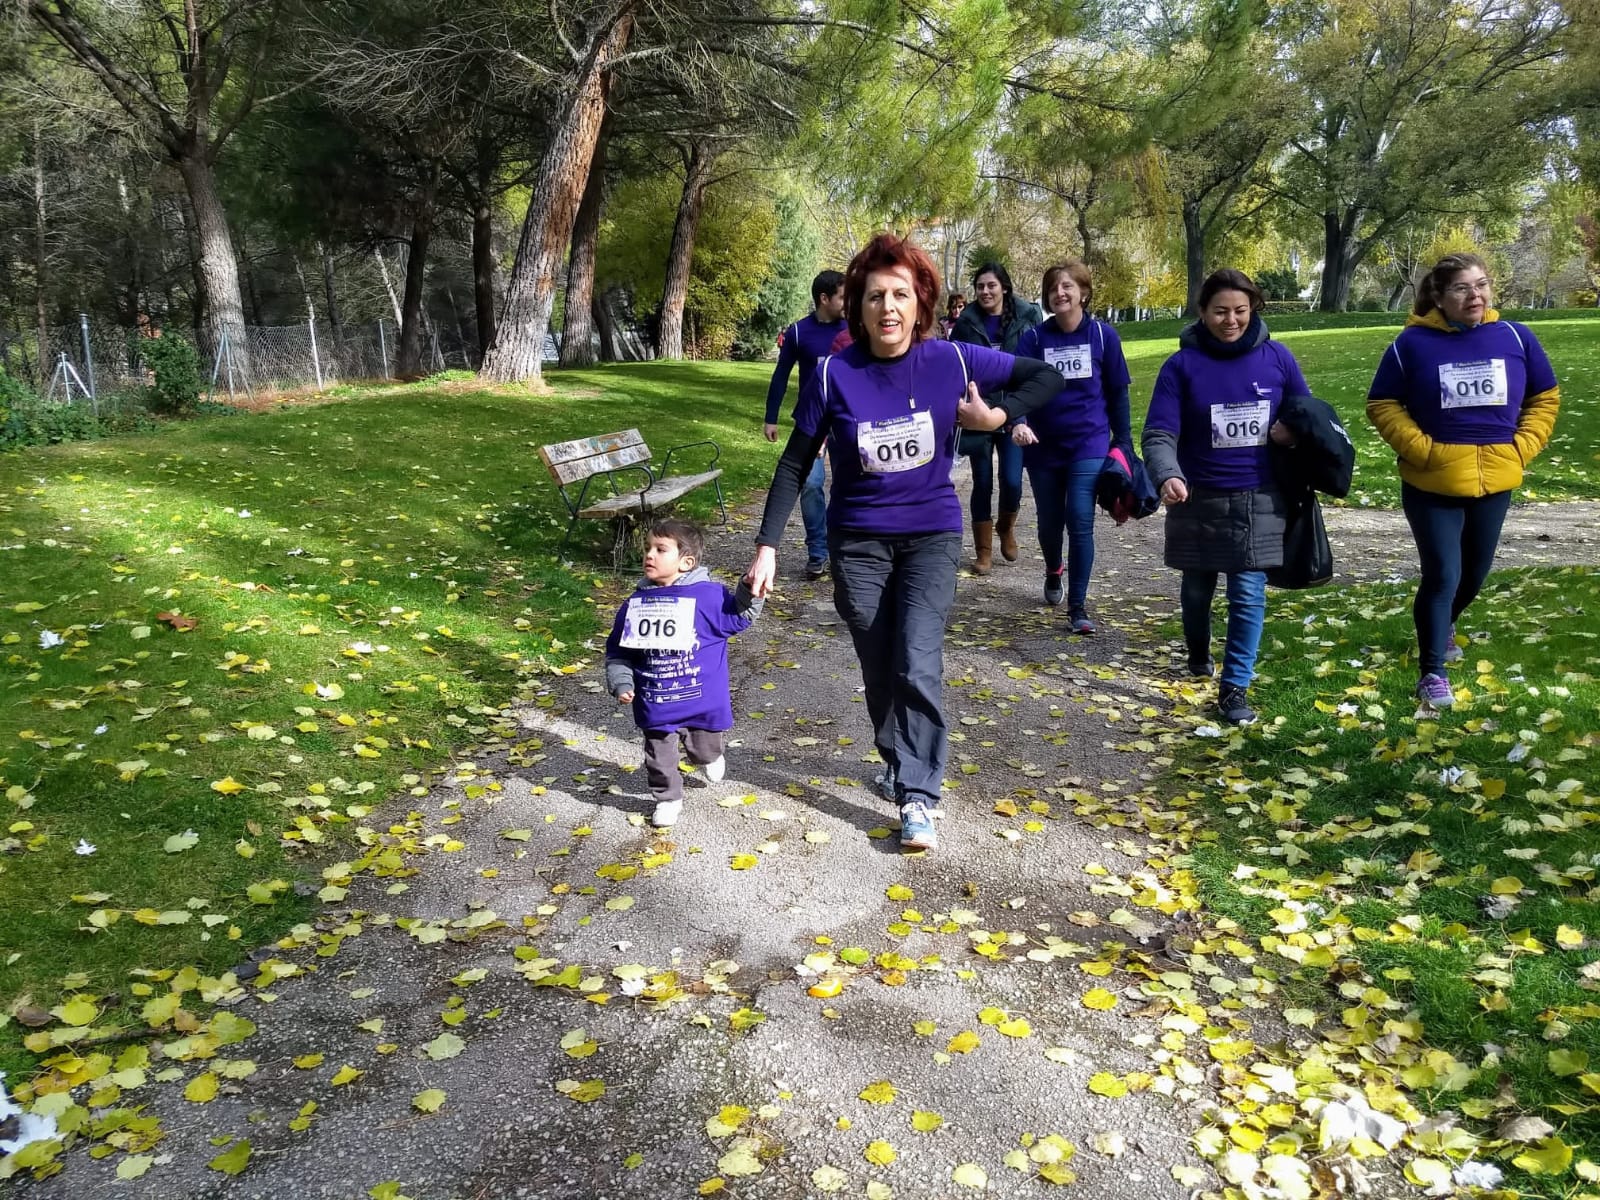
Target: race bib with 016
[
  {"x": 898, "y": 444},
  {"x": 1472, "y": 384},
  {"x": 664, "y": 623},
  {"x": 1073, "y": 362},
  {"x": 1234, "y": 426}
]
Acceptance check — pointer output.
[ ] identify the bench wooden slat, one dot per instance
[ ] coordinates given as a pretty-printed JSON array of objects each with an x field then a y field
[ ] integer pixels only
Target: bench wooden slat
[
  {"x": 665, "y": 492},
  {"x": 576, "y": 469},
  {"x": 560, "y": 452}
]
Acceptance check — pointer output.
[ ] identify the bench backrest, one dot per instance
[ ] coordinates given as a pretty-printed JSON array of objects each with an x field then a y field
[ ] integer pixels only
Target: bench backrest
[{"x": 576, "y": 460}]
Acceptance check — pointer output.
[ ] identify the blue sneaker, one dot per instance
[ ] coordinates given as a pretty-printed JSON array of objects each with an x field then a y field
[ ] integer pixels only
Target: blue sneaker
[
  {"x": 886, "y": 784},
  {"x": 916, "y": 828}
]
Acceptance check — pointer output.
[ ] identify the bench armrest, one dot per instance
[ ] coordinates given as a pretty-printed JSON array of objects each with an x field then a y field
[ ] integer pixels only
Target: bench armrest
[{"x": 716, "y": 453}]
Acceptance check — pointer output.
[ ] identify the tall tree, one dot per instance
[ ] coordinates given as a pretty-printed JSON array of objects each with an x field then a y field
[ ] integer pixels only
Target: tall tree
[
  {"x": 517, "y": 352},
  {"x": 1387, "y": 86},
  {"x": 187, "y": 73}
]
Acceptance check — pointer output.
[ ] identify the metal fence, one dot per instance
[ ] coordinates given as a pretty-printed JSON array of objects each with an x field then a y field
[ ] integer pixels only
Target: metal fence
[{"x": 92, "y": 360}]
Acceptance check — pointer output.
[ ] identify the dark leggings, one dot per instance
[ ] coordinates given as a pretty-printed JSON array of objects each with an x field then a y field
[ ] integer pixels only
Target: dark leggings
[{"x": 1456, "y": 538}]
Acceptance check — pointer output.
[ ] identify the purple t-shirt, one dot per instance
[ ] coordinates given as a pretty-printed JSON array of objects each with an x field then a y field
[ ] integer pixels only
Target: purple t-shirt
[
  {"x": 991, "y": 326},
  {"x": 676, "y": 640},
  {"x": 1221, "y": 409},
  {"x": 803, "y": 345},
  {"x": 1466, "y": 386},
  {"x": 893, "y": 431},
  {"x": 1076, "y": 424}
]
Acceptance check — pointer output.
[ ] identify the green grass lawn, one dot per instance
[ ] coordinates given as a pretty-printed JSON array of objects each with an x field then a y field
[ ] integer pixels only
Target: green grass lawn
[
  {"x": 372, "y": 580},
  {"x": 1455, "y": 860}
]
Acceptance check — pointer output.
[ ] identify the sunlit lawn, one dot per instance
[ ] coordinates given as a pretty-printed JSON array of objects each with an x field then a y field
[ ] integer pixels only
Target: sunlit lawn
[
  {"x": 370, "y": 581},
  {"x": 1454, "y": 859}
]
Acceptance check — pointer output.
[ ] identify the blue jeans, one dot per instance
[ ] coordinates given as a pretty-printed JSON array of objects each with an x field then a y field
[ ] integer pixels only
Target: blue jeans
[
  {"x": 1247, "y": 613},
  {"x": 895, "y": 595},
  {"x": 980, "y": 448},
  {"x": 814, "y": 511},
  {"x": 1064, "y": 497},
  {"x": 1456, "y": 539}
]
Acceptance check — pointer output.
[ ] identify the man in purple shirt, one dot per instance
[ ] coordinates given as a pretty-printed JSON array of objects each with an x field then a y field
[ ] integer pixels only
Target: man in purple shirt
[{"x": 804, "y": 344}]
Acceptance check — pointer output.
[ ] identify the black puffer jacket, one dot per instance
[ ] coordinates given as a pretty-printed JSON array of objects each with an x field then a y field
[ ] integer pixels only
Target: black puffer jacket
[{"x": 1226, "y": 531}]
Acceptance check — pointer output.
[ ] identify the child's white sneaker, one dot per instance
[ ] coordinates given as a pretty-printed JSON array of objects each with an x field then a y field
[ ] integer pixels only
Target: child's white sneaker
[
  {"x": 717, "y": 768},
  {"x": 666, "y": 814}
]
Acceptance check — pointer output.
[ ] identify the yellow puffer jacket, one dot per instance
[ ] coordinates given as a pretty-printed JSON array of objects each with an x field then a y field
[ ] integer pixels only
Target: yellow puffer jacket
[{"x": 1449, "y": 469}]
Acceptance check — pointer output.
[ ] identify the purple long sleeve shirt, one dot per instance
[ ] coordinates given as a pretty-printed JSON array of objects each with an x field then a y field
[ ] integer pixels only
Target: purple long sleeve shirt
[{"x": 675, "y": 640}]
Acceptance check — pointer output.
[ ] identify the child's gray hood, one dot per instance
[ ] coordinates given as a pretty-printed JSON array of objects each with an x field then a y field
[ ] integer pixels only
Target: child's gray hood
[{"x": 698, "y": 575}]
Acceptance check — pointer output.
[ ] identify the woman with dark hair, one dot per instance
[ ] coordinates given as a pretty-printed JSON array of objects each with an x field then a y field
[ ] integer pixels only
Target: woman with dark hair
[
  {"x": 893, "y": 404},
  {"x": 998, "y": 319},
  {"x": 952, "y": 312},
  {"x": 1065, "y": 443},
  {"x": 1205, "y": 444},
  {"x": 1466, "y": 400}
]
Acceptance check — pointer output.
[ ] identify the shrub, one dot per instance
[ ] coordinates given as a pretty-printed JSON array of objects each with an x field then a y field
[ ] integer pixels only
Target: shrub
[
  {"x": 27, "y": 420},
  {"x": 176, "y": 364},
  {"x": 1279, "y": 283},
  {"x": 1372, "y": 304}
]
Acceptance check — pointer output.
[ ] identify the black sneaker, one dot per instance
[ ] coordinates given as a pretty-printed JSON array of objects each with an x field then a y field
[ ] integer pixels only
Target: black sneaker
[
  {"x": 816, "y": 568},
  {"x": 1202, "y": 668},
  {"x": 1234, "y": 707},
  {"x": 1054, "y": 587},
  {"x": 1079, "y": 622}
]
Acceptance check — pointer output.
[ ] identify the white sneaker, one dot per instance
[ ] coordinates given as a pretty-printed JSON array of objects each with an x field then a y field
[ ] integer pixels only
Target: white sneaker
[
  {"x": 717, "y": 768},
  {"x": 666, "y": 814}
]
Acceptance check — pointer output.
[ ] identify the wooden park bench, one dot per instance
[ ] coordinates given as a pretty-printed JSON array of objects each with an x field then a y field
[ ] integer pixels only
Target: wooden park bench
[{"x": 630, "y": 489}]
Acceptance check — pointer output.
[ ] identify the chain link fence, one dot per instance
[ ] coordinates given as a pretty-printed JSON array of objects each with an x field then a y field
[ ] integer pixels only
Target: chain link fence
[{"x": 95, "y": 360}]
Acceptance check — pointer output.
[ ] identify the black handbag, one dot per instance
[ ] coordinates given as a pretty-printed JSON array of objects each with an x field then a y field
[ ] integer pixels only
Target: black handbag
[{"x": 1307, "y": 554}]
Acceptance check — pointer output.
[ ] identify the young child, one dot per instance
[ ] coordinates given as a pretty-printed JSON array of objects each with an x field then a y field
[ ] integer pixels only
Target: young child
[{"x": 668, "y": 656}]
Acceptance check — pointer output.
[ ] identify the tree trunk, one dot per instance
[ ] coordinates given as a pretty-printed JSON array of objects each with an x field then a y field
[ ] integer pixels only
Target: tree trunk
[
  {"x": 461, "y": 330},
  {"x": 1194, "y": 255},
  {"x": 518, "y": 348},
  {"x": 218, "y": 270},
  {"x": 411, "y": 315},
  {"x": 680, "y": 258},
  {"x": 1338, "y": 262},
  {"x": 388, "y": 285},
  {"x": 483, "y": 255},
  {"x": 330, "y": 294},
  {"x": 577, "y": 342},
  {"x": 606, "y": 326},
  {"x": 41, "y": 258},
  {"x": 1396, "y": 292},
  {"x": 250, "y": 288}
]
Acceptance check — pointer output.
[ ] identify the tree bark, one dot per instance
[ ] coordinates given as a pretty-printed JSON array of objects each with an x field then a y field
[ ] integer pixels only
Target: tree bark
[
  {"x": 1338, "y": 261},
  {"x": 577, "y": 343},
  {"x": 483, "y": 252},
  {"x": 605, "y": 324},
  {"x": 518, "y": 348},
  {"x": 388, "y": 285},
  {"x": 41, "y": 257},
  {"x": 411, "y": 314},
  {"x": 680, "y": 257},
  {"x": 218, "y": 269},
  {"x": 1194, "y": 255},
  {"x": 250, "y": 289},
  {"x": 330, "y": 293}
]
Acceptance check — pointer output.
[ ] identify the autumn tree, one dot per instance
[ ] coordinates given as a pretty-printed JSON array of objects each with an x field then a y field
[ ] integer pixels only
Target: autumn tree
[{"x": 186, "y": 73}]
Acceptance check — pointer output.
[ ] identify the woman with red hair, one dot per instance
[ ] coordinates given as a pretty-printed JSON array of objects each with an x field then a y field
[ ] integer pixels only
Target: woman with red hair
[{"x": 894, "y": 404}]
